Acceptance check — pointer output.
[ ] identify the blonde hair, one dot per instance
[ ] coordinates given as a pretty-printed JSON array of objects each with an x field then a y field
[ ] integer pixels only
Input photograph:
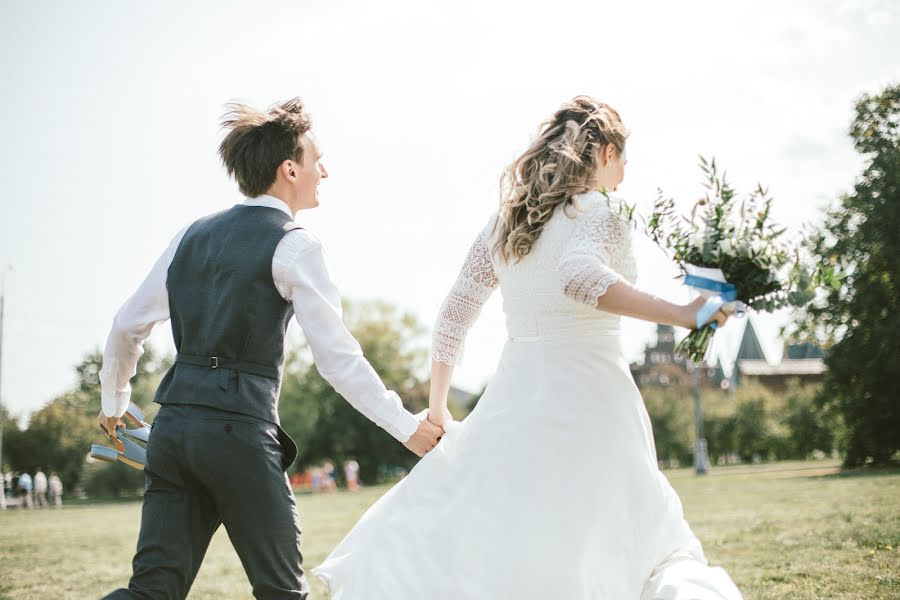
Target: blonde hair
[{"x": 560, "y": 163}]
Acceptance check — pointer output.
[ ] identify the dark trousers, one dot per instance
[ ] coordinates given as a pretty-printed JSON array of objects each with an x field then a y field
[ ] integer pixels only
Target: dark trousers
[{"x": 207, "y": 467}]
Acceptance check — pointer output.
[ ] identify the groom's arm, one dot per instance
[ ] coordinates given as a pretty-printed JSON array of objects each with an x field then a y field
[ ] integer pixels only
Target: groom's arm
[
  {"x": 131, "y": 326},
  {"x": 301, "y": 275}
]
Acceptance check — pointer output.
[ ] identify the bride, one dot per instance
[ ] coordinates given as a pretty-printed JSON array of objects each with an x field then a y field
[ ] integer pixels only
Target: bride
[{"x": 550, "y": 488}]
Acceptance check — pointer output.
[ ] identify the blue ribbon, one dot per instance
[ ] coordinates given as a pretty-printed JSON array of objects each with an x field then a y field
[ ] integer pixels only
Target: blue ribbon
[{"x": 727, "y": 293}]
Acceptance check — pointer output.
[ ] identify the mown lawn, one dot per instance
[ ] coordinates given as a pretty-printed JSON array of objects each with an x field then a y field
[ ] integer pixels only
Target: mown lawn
[{"x": 798, "y": 530}]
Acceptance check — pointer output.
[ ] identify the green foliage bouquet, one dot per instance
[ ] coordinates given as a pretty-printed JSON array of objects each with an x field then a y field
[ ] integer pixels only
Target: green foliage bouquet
[{"x": 732, "y": 255}]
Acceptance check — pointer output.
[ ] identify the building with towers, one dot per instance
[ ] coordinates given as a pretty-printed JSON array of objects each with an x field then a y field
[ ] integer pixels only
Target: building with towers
[{"x": 661, "y": 367}]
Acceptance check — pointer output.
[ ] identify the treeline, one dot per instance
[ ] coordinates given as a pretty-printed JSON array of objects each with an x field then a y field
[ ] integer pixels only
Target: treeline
[{"x": 750, "y": 423}]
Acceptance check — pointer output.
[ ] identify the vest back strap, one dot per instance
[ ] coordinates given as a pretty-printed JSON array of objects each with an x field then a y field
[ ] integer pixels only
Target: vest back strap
[{"x": 214, "y": 362}]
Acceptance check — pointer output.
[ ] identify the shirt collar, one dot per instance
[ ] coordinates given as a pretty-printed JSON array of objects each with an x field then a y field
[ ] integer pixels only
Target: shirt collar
[{"x": 269, "y": 201}]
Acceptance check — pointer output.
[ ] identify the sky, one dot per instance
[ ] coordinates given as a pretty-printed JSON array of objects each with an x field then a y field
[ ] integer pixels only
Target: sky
[{"x": 110, "y": 119}]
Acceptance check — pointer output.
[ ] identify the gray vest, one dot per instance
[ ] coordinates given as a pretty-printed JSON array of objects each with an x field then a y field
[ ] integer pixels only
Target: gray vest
[{"x": 228, "y": 319}]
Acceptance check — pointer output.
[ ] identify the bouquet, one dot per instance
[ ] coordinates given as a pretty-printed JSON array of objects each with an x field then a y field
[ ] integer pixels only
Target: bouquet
[{"x": 729, "y": 252}]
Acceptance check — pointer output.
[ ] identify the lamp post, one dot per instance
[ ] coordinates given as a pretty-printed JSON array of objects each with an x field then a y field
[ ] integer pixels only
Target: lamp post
[
  {"x": 701, "y": 457},
  {"x": 2, "y": 307}
]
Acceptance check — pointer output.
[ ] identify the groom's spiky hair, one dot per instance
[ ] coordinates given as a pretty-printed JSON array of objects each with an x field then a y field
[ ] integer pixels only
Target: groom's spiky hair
[{"x": 258, "y": 142}]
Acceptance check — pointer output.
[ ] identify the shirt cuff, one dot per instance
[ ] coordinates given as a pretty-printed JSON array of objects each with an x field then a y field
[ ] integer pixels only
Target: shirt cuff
[
  {"x": 403, "y": 424},
  {"x": 114, "y": 404}
]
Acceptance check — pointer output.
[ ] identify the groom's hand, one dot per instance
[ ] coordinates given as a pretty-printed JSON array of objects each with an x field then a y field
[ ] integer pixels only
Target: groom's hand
[
  {"x": 425, "y": 438},
  {"x": 109, "y": 424}
]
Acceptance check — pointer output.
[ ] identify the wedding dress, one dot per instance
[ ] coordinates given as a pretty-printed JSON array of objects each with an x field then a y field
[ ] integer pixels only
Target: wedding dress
[{"x": 550, "y": 488}]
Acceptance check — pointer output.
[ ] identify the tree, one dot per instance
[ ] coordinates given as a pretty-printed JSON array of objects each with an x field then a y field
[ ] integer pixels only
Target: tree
[
  {"x": 810, "y": 429},
  {"x": 857, "y": 315},
  {"x": 326, "y": 426},
  {"x": 671, "y": 411},
  {"x": 748, "y": 422},
  {"x": 12, "y": 444},
  {"x": 60, "y": 434}
]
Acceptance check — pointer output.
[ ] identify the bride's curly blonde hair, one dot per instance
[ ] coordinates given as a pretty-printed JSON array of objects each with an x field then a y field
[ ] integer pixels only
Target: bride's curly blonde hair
[{"x": 560, "y": 163}]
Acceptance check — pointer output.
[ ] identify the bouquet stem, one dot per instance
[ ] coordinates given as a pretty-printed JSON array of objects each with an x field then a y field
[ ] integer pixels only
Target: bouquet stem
[{"x": 694, "y": 346}]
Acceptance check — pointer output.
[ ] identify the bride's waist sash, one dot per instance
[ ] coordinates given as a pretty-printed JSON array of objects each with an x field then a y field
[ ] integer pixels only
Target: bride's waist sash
[{"x": 560, "y": 328}]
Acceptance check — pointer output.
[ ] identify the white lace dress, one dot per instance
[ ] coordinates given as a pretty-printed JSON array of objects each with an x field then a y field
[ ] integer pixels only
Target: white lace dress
[{"x": 550, "y": 487}]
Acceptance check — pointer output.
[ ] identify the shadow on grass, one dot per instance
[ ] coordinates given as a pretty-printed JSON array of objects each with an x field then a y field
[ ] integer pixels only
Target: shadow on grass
[{"x": 864, "y": 471}]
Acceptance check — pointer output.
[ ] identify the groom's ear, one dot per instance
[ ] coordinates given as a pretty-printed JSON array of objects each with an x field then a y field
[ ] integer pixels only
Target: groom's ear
[{"x": 289, "y": 170}]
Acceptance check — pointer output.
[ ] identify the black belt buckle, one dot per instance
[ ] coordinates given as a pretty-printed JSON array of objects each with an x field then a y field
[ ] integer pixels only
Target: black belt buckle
[{"x": 214, "y": 362}]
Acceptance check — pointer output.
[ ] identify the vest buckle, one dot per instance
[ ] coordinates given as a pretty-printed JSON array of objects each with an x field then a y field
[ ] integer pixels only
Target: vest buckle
[{"x": 214, "y": 362}]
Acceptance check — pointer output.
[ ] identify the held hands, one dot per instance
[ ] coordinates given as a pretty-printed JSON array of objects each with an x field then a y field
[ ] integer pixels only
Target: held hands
[
  {"x": 425, "y": 437},
  {"x": 689, "y": 314},
  {"x": 439, "y": 420}
]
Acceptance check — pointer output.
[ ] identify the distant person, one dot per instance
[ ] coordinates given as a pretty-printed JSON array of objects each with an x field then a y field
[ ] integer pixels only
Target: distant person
[
  {"x": 351, "y": 473},
  {"x": 56, "y": 489},
  {"x": 25, "y": 490},
  {"x": 40, "y": 489},
  {"x": 328, "y": 483}
]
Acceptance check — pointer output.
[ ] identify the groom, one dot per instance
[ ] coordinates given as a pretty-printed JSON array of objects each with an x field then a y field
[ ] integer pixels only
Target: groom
[{"x": 230, "y": 282}]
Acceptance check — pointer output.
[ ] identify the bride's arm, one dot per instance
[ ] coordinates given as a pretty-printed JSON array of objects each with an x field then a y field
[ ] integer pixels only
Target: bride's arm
[
  {"x": 441, "y": 373},
  {"x": 586, "y": 274},
  {"x": 476, "y": 282},
  {"x": 622, "y": 298}
]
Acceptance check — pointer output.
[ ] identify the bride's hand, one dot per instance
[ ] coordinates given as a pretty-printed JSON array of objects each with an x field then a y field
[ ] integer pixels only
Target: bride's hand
[
  {"x": 689, "y": 314},
  {"x": 440, "y": 420}
]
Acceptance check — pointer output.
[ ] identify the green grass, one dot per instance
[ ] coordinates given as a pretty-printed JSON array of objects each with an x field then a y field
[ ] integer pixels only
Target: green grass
[{"x": 788, "y": 530}]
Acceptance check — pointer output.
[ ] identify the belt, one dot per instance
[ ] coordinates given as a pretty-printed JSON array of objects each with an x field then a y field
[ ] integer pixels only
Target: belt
[{"x": 214, "y": 362}]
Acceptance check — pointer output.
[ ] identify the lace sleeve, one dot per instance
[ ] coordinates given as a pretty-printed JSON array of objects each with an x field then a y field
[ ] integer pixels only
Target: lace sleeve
[
  {"x": 601, "y": 241},
  {"x": 476, "y": 282}
]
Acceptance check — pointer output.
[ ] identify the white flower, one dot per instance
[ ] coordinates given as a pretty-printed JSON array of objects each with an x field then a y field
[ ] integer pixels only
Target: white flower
[
  {"x": 726, "y": 247},
  {"x": 697, "y": 239}
]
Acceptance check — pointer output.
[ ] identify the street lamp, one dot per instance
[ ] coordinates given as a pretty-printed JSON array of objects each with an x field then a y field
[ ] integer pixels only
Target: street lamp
[
  {"x": 2, "y": 306},
  {"x": 701, "y": 456}
]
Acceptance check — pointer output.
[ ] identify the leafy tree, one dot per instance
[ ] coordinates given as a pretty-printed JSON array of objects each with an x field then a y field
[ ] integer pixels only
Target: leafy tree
[
  {"x": 59, "y": 435},
  {"x": 810, "y": 429},
  {"x": 326, "y": 426},
  {"x": 857, "y": 316},
  {"x": 671, "y": 410},
  {"x": 12, "y": 443},
  {"x": 112, "y": 480},
  {"x": 58, "y": 438}
]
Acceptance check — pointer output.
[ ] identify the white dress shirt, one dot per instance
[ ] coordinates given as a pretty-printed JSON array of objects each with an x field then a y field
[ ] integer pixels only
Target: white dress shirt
[{"x": 301, "y": 277}]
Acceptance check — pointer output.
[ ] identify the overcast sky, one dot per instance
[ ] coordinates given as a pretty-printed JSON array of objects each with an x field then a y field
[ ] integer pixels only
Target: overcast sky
[{"x": 110, "y": 117}]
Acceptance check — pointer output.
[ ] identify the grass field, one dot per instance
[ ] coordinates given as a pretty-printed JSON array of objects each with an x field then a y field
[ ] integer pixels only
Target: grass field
[{"x": 799, "y": 530}]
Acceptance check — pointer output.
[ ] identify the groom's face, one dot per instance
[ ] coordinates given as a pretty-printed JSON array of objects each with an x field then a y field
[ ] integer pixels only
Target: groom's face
[{"x": 309, "y": 173}]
